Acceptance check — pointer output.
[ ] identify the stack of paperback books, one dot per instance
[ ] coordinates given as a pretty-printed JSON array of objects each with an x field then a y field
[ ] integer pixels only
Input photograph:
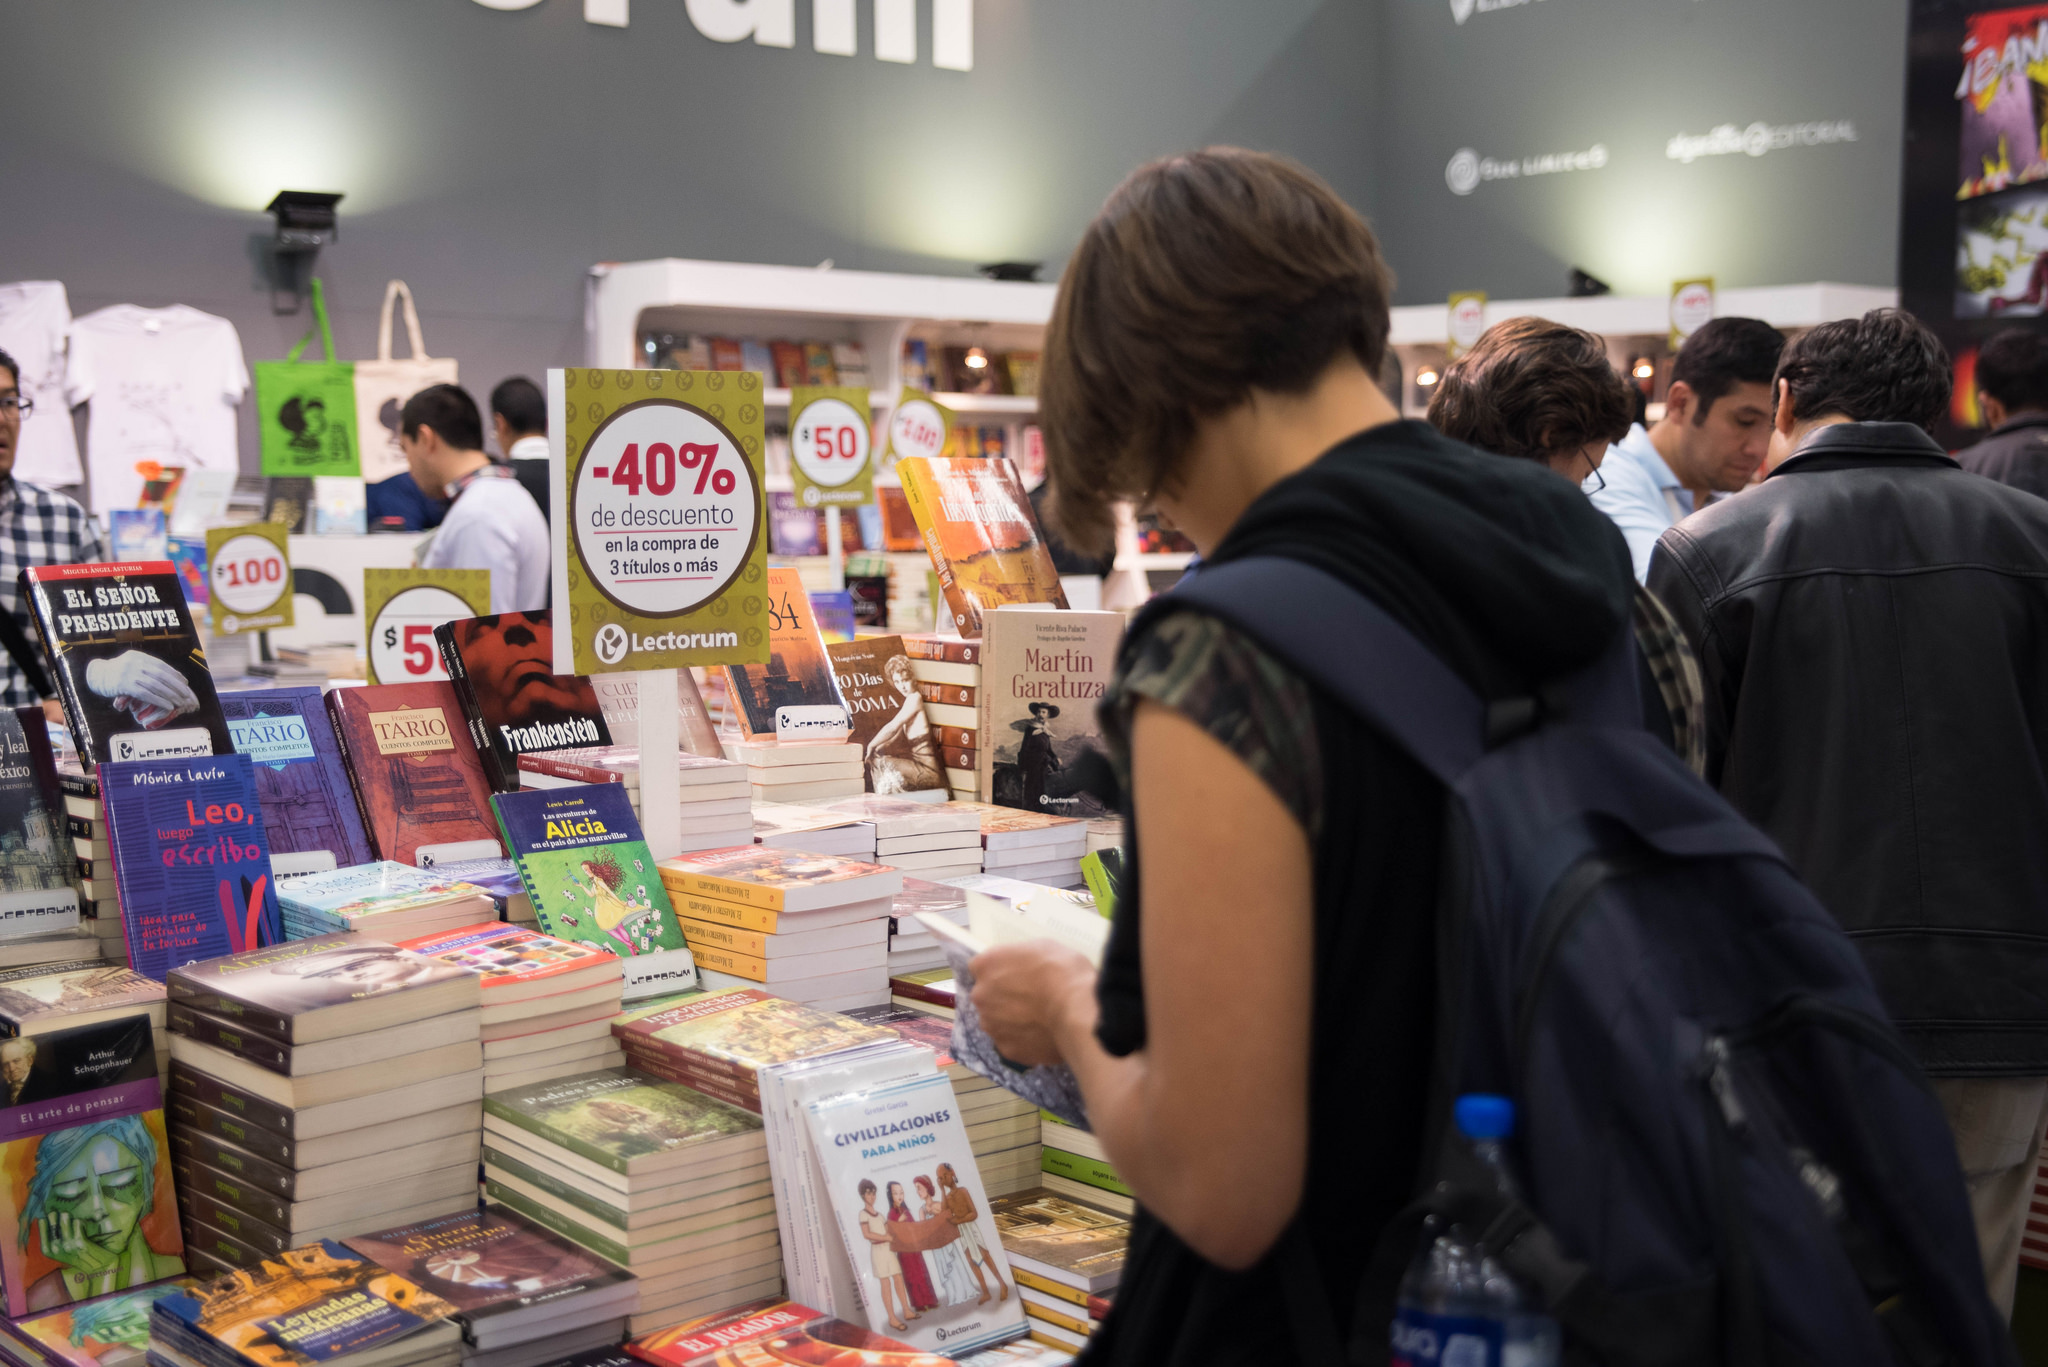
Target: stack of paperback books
[
  {"x": 814, "y": 830},
  {"x": 929, "y": 990},
  {"x": 319, "y": 1303},
  {"x": 948, "y": 674},
  {"x": 365, "y": 1047},
  {"x": 1068, "y": 1257},
  {"x": 912, "y": 947},
  {"x": 383, "y": 900},
  {"x": 85, "y": 825},
  {"x": 798, "y": 771},
  {"x": 1032, "y": 847},
  {"x": 37, "y": 1000},
  {"x": 809, "y": 927},
  {"x": 547, "y": 1003},
  {"x": 1075, "y": 1166},
  {"x": 523, "y": 1296},
  {"x": 717, "y": 799},
  {"x": 500, "y": 879},
  {"x": 719, "y": 1042},
  {"x": 934, "y": 842},
  {"x": 1002, "y": 1127},
  {"x": 657, "y": 1177}
]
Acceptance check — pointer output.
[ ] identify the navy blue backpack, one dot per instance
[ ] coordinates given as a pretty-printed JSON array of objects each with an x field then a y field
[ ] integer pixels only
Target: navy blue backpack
[{"x": 1724, "y": 1151}]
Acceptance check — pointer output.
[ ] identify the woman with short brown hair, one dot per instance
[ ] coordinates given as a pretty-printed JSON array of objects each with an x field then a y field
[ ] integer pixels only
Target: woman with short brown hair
[{"x": 1255, "y": 1050}]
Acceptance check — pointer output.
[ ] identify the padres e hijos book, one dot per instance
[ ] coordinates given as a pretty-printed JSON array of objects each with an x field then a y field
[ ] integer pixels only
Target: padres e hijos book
[
  {"x": 591, "y": 877},
  {"x": 502, "y": 667},
  {"x": 418, "y": 781},
  {"x": 981, "y": 534},
  {"x": 310, "y": 816}
]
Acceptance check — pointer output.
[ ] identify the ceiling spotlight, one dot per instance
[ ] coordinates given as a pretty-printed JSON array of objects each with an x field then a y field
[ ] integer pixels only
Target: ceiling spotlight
[
  {"x": 976, "y": 358},
  {"x": 1427, "y": 376}
]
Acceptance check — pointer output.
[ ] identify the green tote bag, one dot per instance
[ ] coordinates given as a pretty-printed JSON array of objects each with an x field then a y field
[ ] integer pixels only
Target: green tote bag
[{"x": 306, "y": 410}]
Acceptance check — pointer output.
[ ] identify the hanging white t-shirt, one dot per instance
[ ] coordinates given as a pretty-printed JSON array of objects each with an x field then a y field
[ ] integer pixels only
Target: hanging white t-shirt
[
  {"x": 163, "y": 384},
  {"x": 35, "y": 320}
]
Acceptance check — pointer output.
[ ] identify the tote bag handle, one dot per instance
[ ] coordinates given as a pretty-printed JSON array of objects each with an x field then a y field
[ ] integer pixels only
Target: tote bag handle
[
  {"x": 394, "y": 292},
  {"x": 320, "y": 323}
]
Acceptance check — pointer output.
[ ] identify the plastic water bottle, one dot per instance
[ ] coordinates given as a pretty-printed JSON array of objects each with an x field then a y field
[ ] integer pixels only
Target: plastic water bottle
[{"x": 1457, "y": 1308}]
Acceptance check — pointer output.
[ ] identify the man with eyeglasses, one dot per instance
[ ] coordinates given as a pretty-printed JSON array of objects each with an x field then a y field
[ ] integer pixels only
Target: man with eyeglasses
[{"x": 37, "y": 527}]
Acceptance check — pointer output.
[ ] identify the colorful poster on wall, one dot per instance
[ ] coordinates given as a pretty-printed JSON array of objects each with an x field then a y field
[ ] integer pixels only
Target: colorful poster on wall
[
  {"x": 2004, "y": 97},
  {"x": 402, "y": 608},
  {"x": 2002, "y": 255},
  {"x": 249, "y": 578},
  {"x": 660, "y": 534}
]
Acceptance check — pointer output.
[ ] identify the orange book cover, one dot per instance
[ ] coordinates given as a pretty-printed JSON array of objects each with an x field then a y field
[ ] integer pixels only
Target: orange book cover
[
  {"x": 980, "y": 532},
  {"x": 798, "y": 673}
]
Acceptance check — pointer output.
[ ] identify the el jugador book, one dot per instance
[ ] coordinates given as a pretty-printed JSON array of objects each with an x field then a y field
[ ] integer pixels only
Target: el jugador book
[
  {"x": 129, "y": 667},
  {"x": 981, "y": 534},
  {"x": 419, "y": 783},
  {"x": 770, "y": 1333}
]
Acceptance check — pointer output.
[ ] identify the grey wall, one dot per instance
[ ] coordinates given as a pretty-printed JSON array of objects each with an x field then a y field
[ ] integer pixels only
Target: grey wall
[{"x": 491, "y": 157}]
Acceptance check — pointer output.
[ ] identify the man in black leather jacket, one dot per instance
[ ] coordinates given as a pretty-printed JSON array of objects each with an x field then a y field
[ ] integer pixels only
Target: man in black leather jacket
[{"x": 1872, "y": 627}]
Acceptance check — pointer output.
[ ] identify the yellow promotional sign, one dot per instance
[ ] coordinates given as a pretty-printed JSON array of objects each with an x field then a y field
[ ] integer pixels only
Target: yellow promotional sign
[
  {"x": 660, "y": 529},
  {"x": 1468, "y": 323},
  {"x": 1692, "y": 308},
  {"x": 248, "y": 578},
  {"x": 402, "y": 608},
  {"x": 918, "y": 427},
  {"x": 831, "y": 436}
]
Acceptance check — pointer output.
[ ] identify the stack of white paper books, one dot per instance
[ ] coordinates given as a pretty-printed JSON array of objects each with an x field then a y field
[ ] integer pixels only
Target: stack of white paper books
[
  {"x": 912, "y": 948},
  {"x": 798, "y": 771},
  {"x": 814, "y": 830},
  {"x": 1033, "y": 847},
  {"x": 717, "y": 799},
  {"x": 925, "y": 841}
]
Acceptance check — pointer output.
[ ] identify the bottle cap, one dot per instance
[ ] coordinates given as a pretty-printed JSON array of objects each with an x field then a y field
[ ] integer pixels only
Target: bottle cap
[{"x": 1484, "y": 1117}]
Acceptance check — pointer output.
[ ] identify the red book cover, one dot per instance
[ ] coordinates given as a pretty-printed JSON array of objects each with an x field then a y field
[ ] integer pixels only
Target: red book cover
[
  {"x": 416, "y": 772},
  {"x": 960, "y": 695},
  {"x": 957, "y": 737},
  {"x": 725, "y": 354},
  {"x": 925, "y": 646},
  {"x": 790, "y": 370},
  {"x": 776, "y": 1333}
]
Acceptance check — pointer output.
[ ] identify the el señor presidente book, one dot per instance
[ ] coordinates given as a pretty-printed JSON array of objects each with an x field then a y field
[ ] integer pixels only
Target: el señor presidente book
[
  {"x": 191, "y": 863},
  {"x": 591, "y": 877},
  {"x": 309, "y": 810},
  {"x": 503, "y": 671},
  {"x": 1043, "y": 672},
  {"x": 418, "y": 781},
  {"x": 129, "y": 668},
  {"x": 798, "y": 672},
  {"x": 981, "y": 534}
]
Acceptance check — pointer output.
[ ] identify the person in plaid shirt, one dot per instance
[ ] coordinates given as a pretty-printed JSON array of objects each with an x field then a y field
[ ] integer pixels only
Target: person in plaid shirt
[{"x": 37, "y": 527}]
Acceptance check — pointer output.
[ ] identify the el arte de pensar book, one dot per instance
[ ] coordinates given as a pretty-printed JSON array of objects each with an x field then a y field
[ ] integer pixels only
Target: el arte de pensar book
[
  {"x": 1043, "y": 673},
  {"x": 107, "y": 1331},
  {"x": 86, "y": 1199},
  {"x": 309, "y": 811},
  {"x": 503, "y": 671},
  {"x": 900, "y": 1177},
  {"x": 898, "y": 753},
  {"x": 798, "y": 672},
  {"x": 418, "y": 781},
  {"x": 591, "y": 877},
  {"x": 128, "y": 664},
  {"x": 37, "y": 863},
  {"x": 981, "y": 534},
  {"x": 191, "y": 864}
]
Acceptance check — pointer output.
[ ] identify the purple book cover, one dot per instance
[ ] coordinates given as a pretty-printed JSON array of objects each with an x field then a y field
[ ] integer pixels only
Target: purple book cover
[
  {"x": 191, "y": 864},
  {"x": 309, "y": 811}
]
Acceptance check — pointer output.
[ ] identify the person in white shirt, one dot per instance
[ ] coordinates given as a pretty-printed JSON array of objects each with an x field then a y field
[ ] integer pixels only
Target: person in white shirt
[
  {"x": 519, "y": 417},
  {"x": 1710, "y": 441},
  {"x": 492, "y": 523}
]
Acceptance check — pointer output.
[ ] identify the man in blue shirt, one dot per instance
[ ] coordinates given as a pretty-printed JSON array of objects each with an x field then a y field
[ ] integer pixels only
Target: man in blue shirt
[{"x": 1711, "y": 439}]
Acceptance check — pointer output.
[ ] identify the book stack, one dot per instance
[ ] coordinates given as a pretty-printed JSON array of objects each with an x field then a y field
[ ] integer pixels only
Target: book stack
[
  {"x": 99, "y": 907},
  {"x": 1002, "y": 1127},
  {"x": 911, "y": 946},
  {"x": 719, "y": 1042},
  {"x": 812, "y": 928},
  {"x": 547, "y": 1003},
  {"x": 37, "y": 1000},
  {"x": 383, "y": 900},
  {"x": 342, "y": 1071},
  {"x": 771, "y": 1331},
  {"x": 500, "y": 879},
  {"x": 717, "y": 796},
  {"x": 321, "y": 1302},
  {"x": 653, "y": 1175},
  {"x": 1032, "y": 847},
  {"x": 103, "y": 1332},
  {"x": 522, "y": 1294},
  {"x": 813, "y": 830},
  {"x": 930, "y": 990},
  {"x": 798, "y": 771},
  {"x": 934, "y": 842},
  {"x": 948, "y": 674},
  {"x": 1105, "y": 833},
  {"x": 1068, "y": 1257},
  {"x": 1076, "y": 1167}
]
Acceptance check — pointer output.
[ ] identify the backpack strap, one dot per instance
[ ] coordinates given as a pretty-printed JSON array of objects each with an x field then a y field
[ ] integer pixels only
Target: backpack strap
[{"x": 1339, "y": 639}]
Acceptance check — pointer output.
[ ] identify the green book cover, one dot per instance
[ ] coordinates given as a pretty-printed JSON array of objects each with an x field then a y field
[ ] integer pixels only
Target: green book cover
[
  {"x": 619, "y": 1118},
  {"x": 1076, "y": 1168},
  {"x": 586, "y": 866}
]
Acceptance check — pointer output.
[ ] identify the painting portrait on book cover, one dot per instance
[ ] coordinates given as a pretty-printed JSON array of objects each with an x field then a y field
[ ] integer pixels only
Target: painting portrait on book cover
[
  {"x": 510, "y": 661},
  {"x": 109, "y": 1332},
  {"x": 92, "y": 1212}
]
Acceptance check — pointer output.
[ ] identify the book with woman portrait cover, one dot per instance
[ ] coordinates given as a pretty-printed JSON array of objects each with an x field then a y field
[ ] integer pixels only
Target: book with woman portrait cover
[
  {"x": 900, "y": 1177},
  {"x": 591, "y": 877},
  {"x": 503, "y": 670},
  {"x": 129, "y": 667},
  {"x": 86, "y": 1199},
  {"x": 898, "y": 755}
]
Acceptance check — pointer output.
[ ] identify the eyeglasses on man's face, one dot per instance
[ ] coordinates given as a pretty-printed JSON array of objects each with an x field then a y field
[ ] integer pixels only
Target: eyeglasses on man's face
[{"x": 16, "y": 403}]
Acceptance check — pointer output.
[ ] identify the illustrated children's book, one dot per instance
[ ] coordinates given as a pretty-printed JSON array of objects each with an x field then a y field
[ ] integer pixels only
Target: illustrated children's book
[
  {"x": 981, "y": 534},
  {"x": 37, "y": 864},
  {"x": 591, "y": 877},
  {"x": 309, "y": 811},
  {"x": 109, "y": 1331},
  {"x": 503, "y": 670},
  {"x": 191, "y": 863},
  {"x": 798, "y": 673},
  {"x": 901, "y": 1180},
  {"x": 128, "y": 663},
  {"x": 86, "y": 1199},
  {"x": 418, "y": 781}
]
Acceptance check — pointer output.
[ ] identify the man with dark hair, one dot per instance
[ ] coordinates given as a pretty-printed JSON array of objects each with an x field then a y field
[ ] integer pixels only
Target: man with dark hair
[
  {"x": 2012, "y": 389},
  {"x": 492, "y": 524},
  {"x": 37, "y": 527},
  {"x": 519, "y": 418},
  {"x": 1716, "y": 424},
  {"x": 1872, "y": 629}
]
